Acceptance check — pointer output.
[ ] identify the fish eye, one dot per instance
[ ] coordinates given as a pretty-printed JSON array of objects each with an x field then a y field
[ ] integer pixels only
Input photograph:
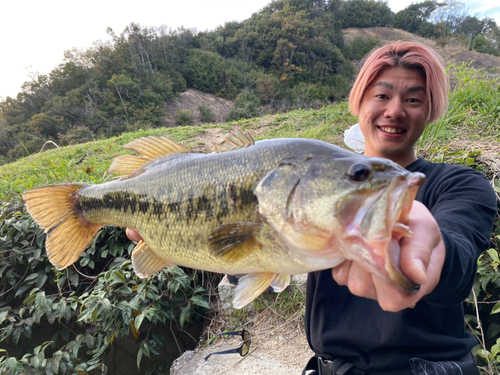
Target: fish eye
[{"x": 360, "y": 172}]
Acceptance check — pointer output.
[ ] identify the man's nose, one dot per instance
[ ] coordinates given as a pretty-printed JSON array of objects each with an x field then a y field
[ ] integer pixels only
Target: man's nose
[{"x": 395, "y": 108}]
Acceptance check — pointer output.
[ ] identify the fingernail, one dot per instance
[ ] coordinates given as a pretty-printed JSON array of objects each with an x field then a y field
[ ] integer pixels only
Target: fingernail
[{"x": 420, "y": 276}]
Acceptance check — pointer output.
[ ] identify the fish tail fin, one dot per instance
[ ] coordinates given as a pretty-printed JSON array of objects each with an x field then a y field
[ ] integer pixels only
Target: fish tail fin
[{"x": 56, "y": 211}]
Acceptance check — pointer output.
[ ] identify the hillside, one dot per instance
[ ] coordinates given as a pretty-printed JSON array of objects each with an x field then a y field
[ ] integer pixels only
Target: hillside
[
  {"x": 453, "y": 52},
  {"x": 192, "y": 98},
  {"x": 97, "y": 317}
]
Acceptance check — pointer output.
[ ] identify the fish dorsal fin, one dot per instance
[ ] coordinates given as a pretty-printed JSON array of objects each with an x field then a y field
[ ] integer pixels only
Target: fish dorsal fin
[
  {"x": 233, "y": 141},
  {"x": 146, "y": 262},
  {"x": 251, "y": 286},
  {"x": 234, "y": 241},
  {"x": 150, "y": 148}
]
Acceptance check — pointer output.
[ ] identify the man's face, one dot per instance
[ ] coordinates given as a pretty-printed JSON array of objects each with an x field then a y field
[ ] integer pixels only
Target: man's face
[{"x": 393, "y": 114}]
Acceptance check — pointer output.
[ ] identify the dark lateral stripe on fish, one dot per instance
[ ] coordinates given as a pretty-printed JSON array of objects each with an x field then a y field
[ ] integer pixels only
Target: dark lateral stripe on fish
[{"x": 190, "y": 207}]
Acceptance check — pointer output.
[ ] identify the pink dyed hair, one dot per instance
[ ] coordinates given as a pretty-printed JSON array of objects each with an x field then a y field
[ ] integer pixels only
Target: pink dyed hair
[{"x": 406, "y": 55}]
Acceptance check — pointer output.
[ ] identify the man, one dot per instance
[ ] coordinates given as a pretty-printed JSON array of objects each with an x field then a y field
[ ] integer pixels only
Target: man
[{"x": 357, "y": 323}]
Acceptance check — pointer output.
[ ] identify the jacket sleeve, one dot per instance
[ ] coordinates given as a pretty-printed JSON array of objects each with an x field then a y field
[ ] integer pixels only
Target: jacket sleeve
[{"x": 464, "y": 205}]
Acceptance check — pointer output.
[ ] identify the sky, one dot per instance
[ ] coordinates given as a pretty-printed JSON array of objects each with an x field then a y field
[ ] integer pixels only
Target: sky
[{"x": 34, "y": 34}]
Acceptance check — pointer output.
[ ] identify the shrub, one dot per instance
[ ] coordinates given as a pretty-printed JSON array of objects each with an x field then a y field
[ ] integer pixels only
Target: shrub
[
  {"x": 85, "y": 307},
  {"x": 183, "y": 117},
  {"x": 206, "y": 113}
]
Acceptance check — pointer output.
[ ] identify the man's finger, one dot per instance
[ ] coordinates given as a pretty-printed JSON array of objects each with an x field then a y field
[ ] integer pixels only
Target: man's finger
[{"x": 133, "y": 235}]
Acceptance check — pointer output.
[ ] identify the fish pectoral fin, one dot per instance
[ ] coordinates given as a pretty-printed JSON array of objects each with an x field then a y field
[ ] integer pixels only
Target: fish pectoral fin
[
  {"x": 234, "y": 241},
  {"x": 150, "y": 148},
  {"x": 281, "y": 282},
  {"x": 233, "y": 141},
  {"x": 146, "y": 262},
  {"x": 68, "y": 233},
  {"x": 250, "y": 286}
]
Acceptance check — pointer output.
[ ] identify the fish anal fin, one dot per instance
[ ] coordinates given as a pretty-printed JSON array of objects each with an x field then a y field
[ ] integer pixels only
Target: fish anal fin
[
  {"x": 146, "y": 262},
  {"x": 234, "y": 241},
  {"x": 234, "y": 141},
  {"x": 54, "y": 209},
  {"x": 251, "y": 286}
]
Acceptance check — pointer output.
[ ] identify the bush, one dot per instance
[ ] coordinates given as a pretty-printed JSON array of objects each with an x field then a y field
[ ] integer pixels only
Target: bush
[
  {"x": 76, "y": 135},
  {"x": 245, "y": 106},
  {"x": 183, "y": 117},
  {"x": 82, "y": 315},
  {"x": 206, "y": 113}
]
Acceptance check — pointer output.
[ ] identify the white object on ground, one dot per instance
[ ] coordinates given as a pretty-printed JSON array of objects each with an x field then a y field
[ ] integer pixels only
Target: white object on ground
[{"x": 354, "y": 139}]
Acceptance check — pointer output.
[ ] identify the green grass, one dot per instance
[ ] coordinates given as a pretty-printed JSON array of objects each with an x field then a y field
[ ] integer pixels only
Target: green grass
[
  {"x": 89, "y": 162},
  {"x": 474, "y": 113}
]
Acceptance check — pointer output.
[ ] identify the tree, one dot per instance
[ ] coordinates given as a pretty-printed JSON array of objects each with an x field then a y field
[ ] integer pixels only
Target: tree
[
  {"x": 46, "y": 126},
  {"x": 415, "y": 18},
  {"x": 366, "y": 13},
  {"x": 204, "y": 70},
  {"x": 472, "y": 27}
]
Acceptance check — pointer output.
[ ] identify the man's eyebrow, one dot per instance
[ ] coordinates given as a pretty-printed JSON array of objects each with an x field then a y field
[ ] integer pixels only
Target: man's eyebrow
[
  {"x": 385, "y": 84},
  {"x": 416, "y": 88},
  {"x": 391, "y": 86}
]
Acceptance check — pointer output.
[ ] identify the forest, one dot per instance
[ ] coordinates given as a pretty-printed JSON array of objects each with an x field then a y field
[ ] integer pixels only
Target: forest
[{"x": 289, "y": 55}]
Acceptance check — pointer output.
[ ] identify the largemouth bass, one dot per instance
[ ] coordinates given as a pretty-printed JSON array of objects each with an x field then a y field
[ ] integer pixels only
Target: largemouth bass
[{"x": 266, "y": 209}]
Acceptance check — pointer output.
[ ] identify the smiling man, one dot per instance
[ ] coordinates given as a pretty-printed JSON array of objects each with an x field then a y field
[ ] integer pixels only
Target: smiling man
[{"x": 358, "y": 324}]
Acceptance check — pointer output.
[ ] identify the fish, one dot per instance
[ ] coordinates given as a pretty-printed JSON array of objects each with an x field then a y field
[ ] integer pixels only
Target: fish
[{"x": 266, "y": 209}]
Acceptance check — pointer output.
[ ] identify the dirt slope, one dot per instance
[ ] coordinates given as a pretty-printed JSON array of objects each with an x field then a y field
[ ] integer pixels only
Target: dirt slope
[{"x": 190, "y": 100}]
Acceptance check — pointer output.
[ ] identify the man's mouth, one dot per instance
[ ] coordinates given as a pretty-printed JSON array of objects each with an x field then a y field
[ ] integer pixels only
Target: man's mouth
[{"x": 391, "y": 130}]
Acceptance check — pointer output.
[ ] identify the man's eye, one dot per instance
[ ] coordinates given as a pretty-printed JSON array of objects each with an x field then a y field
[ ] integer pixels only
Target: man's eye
[{"x": 414, "y": 100}]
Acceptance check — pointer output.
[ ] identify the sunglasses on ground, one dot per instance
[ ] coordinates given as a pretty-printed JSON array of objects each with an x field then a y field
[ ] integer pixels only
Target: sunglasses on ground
[{"x": 242, "y": 350}]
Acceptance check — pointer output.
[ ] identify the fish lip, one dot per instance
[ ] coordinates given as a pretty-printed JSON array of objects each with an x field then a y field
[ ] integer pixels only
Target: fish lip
[{"x": 383, "y": 246}]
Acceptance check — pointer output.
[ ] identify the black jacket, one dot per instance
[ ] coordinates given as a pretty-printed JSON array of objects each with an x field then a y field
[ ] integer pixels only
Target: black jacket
[{"x": 339, "y": 324}]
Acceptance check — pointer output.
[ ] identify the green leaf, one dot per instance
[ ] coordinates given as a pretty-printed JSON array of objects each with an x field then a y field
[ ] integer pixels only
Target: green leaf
[
  {"x": 16, "y": 335},
  {"x": 42, "y": 279},
  {"x": 74, "y": 279},
  {"x": 198, "y": 300},
  {"x": 183, "y": 315},
  {"x": 117, "y": 276},
  {"x": 14, "y": 366},
  {"x": 22, "y": 288},
  {"x": 56, "y": 361},
  {"x": 76, "y": 347},
  {"x": 31, "y": 277},
  {"x": 495, "y": 309},
  {"x": 483, "y": 353},
  {"x": 145, "y": 349},
  {"x": 153, "y": 347},
  {"x": 139, "y": 358},
  {"x": 159, "y": 339},
  {"x": 89, "y": 341},
  {"x": 138, "y": 321},
  {"x": 494, "y": 255},
  {"x": 3, "y": 315}
]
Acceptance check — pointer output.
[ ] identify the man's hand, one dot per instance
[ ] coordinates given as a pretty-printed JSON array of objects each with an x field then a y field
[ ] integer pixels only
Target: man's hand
[{"x": 421, "y": 260}]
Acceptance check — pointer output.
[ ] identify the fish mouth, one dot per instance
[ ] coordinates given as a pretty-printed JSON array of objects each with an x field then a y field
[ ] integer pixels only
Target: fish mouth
[{"x": 381, "y": 222}]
